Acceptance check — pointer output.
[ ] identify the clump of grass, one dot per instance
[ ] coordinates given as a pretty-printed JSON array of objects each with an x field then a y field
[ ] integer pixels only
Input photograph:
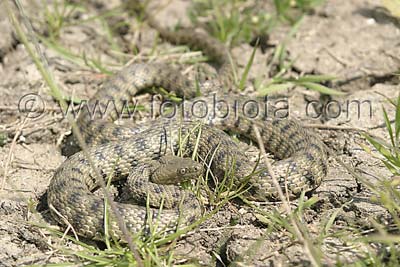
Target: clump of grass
[
  {"x": 237, "y": 21},
  {"x": 390, "y": 151},
  {"x": 115, "y": 254},
  {"x": 283, "y": 80},
  {"x": 58, "y": 15},
  {"x": 291, "y": 11},
  {"x": 232, "y": 22},
  {"x": 386, "y": 194},
  {"x": 63, "y": 14}
]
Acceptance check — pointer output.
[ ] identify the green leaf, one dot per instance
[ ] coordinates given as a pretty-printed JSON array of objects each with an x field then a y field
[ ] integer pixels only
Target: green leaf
[
  {"x": 382, "y": 238},
  {"x": 381, "y": 148},
  {"x": 279, "y": 54},
  {"x": 331, "y": 220},
  {"x": 247, "y": 69},
  {"x": 397, "y": 120},
  {"x": 274, "y": 88},
  {"x": 388, "y": 126},
  {"x": 316, "y": 78},
  {"x": 392, "y": 168},
  {"x": 264, "y": 220},
  {"x": 320, "y": 88}
]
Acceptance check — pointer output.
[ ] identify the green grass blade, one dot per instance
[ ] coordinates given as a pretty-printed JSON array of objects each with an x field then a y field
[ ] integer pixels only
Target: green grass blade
[
  {"x": 380, "y": 147},
  {"x": 274, "y": 88},
  {"x": 320, "y": 88},
  {"x": 391, "y": 167},
  {"x": 303, "y": 205},
  {"x": 388, "y": 126},
  {"x": 95, "y": 259},
  {"x": 397, "y": 120},
  {"x": 316, "y": 78},
  {"x": 279, "y": 54},
  {"x": 242, "y": 83}
]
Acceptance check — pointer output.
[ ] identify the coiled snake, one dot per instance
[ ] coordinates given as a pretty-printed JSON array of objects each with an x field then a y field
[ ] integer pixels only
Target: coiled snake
[{"x": 118, "y": 151}]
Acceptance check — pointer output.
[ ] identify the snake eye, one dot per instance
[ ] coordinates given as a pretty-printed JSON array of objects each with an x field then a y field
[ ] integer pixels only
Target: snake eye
[{"x": 182, "y": 171}]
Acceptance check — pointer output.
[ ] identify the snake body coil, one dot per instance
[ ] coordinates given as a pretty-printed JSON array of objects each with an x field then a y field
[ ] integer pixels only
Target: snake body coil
[{"x": 119, "y": 150}]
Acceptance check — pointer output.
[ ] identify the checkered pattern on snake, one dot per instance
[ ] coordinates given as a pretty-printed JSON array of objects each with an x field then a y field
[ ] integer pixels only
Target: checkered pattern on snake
[{"x": 118, "y": 150}]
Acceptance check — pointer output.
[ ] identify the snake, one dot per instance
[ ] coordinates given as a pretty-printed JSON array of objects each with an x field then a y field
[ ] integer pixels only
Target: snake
[{"x": 131, "y": 152}]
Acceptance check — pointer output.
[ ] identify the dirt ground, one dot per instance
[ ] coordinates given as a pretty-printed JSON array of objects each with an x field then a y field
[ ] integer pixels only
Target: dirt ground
[{"x": 357, "y": 41}]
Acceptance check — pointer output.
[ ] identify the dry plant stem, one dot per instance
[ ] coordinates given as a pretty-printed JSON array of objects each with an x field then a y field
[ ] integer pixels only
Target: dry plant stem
[
  {"x": 10, "y": 153},
  {"x": 44, "y": 69},
  {"x": 293, "y": 221},
  {"x": 346, "y": 128},
  {"x": 334, "y": 127},
  {"x": 69, "y": 226}
]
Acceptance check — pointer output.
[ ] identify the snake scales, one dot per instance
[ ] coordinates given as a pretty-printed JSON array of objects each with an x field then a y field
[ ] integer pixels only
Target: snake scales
[{"x": 118, "y": 150}]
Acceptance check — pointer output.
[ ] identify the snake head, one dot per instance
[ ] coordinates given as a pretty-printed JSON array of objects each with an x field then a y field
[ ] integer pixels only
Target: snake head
[{"x": 174, "y": 170}]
